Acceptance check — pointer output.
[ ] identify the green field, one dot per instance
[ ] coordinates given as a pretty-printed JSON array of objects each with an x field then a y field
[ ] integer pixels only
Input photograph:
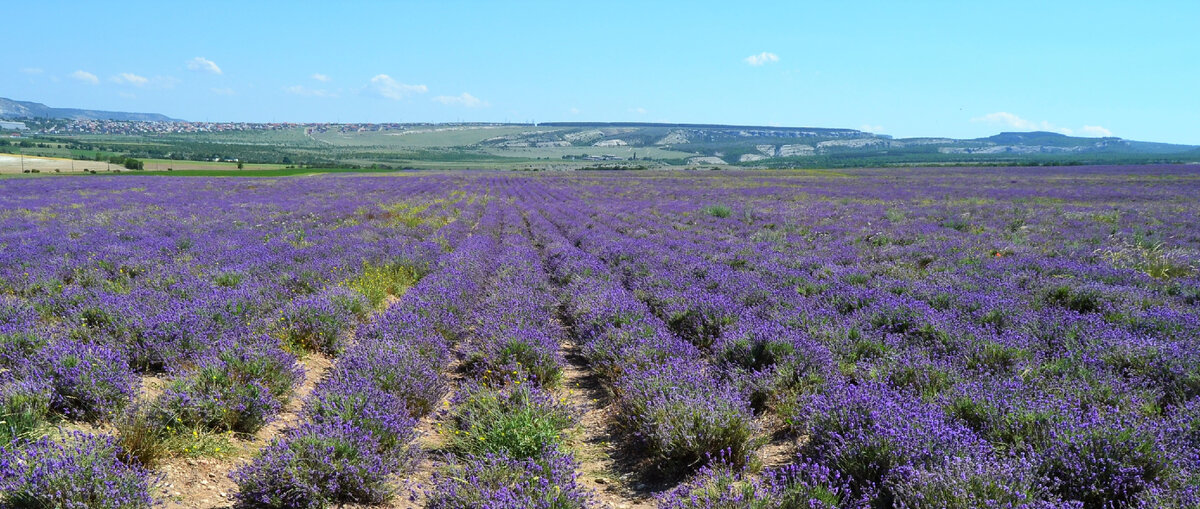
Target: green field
[
  {"x": 530, "y": 147},
  {"x": 426, "y": 137},
  {"x": 163, "y": 164}
]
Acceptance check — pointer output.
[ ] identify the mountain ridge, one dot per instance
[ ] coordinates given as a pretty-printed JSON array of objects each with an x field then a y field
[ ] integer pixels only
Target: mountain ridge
[{"x": 10, "y": 108}]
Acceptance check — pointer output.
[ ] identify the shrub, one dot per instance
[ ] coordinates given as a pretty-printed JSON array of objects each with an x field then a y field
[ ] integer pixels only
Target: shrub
[
  {"x": 1080, "y": 300},
  {"x": 358, "y": 402},
  {"x": 801, "y": 485},
  {"x": 210, "y": 398},
  {"x": 145, "y": 441},
  {"x": 91, "y": 382},
  {"x": 85, "y": 471},
  {"x": 703, "y": 319},
  {"x": 408, "y": 372},
  {"x": 318, "y": 323},
  {"x": 318, "y": 465},
  {"x": 869, "y": 432},
  {"x": 526, "y": 351},
  {"x": 17, "y": 347},
  {"x": 258, "y": 359},
  {"x": 17, "y": 312},
  {"x": 684, "y": 417},
  {"x": 377, "y": 282},
  {"x": 771, "y": 363},
  {"x": 547, "y": 481},
  {"x": 1102, "y": 461},
  {"x": 971, "y": 483},
  {"x": 517, "y": 420},
  {"x": 718, "y": 211},
  {"x": 24, "y": 405},
  {"x": 237, "y": 387}
]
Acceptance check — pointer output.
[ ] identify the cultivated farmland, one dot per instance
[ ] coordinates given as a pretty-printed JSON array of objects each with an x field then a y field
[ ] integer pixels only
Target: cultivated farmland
[{"x": 982, "y": 337}]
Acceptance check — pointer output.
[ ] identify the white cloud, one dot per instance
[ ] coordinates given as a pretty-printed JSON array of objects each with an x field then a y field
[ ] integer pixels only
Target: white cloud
[
  {"x": 465, "y": 100},
  {"x": 222, "y": 91},
  {"x": 85, "y": 77},
  {"x": 32, "y": 70},
  {"x": 202, "y": 64},
  {"x": 638, "y": 110},
  {"x": 321, "y": 77},
  {"x": 871, "y": 128},
  {"x": 1095, "y": 131},
  {"x": 304, "y": 91},
  {"x": 765, "y": 57},
  {"x": 130, "y": 78},
  {"x": 1014, "y": 121},
  {"x": 573, "y": 111},
  {"x": 386, "y": 87}
]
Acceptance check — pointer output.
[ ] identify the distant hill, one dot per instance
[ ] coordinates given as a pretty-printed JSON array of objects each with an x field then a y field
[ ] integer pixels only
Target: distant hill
[
  {"x": 770, "y": 146},
  {"x": 27, "y": 109}
]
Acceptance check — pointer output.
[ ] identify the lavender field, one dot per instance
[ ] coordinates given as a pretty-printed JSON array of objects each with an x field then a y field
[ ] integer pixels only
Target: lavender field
[{"x": 925, "y": 338}]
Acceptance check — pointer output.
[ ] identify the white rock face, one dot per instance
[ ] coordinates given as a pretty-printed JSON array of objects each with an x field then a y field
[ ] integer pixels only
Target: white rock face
[
  {"x": 927, "y": 141},
  {"x": 796, "y": 150},
  {"x": 584, "y": 136},
  {"x": 1011, "y": 149},
  {"x": 673, "y": 138},
  {"x": 766, "y": 150},
  {"x": 746, "y": 158},
  {"x": 854, "y": 143},
  {"x": 545, "y": 144},
  {"x": 706, "y": 160},
  {"x": 610, "y": 143}
]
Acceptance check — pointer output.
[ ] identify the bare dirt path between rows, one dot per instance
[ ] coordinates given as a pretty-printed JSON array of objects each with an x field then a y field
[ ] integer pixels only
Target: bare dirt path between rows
[
  {"x": 430, "y": 445},
  {"x": 204, "y": 482},
  {"x": 596, "y": 448}
]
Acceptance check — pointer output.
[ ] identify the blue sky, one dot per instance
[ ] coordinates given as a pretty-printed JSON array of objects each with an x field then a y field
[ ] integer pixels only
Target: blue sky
[{"x": 961, "y": 69}]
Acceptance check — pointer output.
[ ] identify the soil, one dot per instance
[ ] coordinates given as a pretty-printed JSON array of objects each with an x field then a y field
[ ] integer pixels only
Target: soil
[
  {"x": 430, "y": 446},
  {"x": 601, "y": 467}
]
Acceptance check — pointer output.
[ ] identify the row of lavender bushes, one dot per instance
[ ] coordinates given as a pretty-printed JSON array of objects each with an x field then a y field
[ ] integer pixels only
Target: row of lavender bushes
[
  {"x": 95, "y": 294},
  {"x": 359, "y": 422},
  {"x": 872, "y": 425},
  {"x": 668, "y": 397},
  {"x": 507, "y": 426}
]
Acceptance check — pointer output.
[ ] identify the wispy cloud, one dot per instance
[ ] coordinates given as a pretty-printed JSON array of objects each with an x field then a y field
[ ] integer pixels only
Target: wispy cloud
[
  {"x": 573, "y": 111},
  {"x": 321, "y": 77},
  {"x": 765, "y": 57},
  {"x": 386, "y": 87},
  {"x": 639, "y": 110},
  {"x": 201, "y": 64},
  {"x": 32, "y": 70},
  {"x": 304, "y": 91},
  {"x": 465, "y": 100},
  {"x": 85, "y": 77},
  {"x": 128, "y": 78},
  {"x": 1005, "y": 118},
  {"x": 1095, "y": 131},
  {"x": 222, "y": 91}
]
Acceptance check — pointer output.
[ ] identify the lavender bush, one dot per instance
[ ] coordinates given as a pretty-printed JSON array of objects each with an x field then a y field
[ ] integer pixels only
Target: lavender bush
[
  {"x": 318, "y": 465},
  {"x": 547, "y": 481},
  {"x": 85, "y": 471}
]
